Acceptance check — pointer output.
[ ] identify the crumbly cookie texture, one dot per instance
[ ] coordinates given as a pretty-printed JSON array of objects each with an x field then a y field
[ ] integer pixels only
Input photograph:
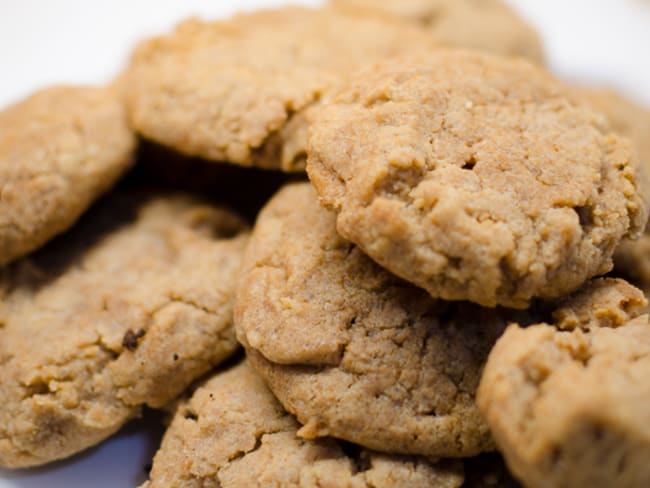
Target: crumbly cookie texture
[
  {"x": 59, "y": 150},
  {"x": 602, "y": 302},
  {"x": 623, "y": 115},
  {"x": 237, "y": 90},
  {"x": 475, "y": 177},
  {"x": 234, "y": 433},
  {"x": 632, "y": 257},
  {"x": 353, "y": 351},
  {"x": 118, "y": 313},
  {"x": 488, "y": 25},
  {"x": 570, "y": 407}
]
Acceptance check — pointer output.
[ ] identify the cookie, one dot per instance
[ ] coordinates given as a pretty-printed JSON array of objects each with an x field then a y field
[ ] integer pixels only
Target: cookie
[
  {"x": 125, "y": 310},
  {"x": 570, "y": 407},
  {"x": 623, "y": 115},
  {"x": 237, "y": 90},
  {"x": 353, "y": 351},
  {"x": 603, "y": 302},
  {"x": 234, "y": 433},
  {"x": 632, "y": 260},
  {"x": 488, "y": 25},
  {"x": 475, "y": 177},
  {"x": 632, "y": 257},
  {"x": 59, "y": 150}
]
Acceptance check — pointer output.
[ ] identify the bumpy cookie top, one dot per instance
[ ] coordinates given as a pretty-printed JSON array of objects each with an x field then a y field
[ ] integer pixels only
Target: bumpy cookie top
[
  {"x": 570, "y": 408},
  {"x": 234, "y": 433},
  {"x": 632, "y": 257},
  {"x": 59, "y": 149},
  {"x": 353, "y": 351},
  {"x": 234, "y": 90},
  {"x": 474, "y": 177},
  {"x": 624, "y": 116},
  {"x": 125, "y": 310},
  {"x": 488, "y": 25}
]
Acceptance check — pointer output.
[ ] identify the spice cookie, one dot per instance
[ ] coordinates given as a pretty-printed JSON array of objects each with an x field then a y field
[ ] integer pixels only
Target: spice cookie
[
  {"x": 570, "y": 407},
  {"x": 353, "y": 351},
  {"x": 234, "y": 433},
  {"x": 112, "y": 316},
  {"x": 237, "y": 90},
  {"x": 59, "y": 150},
  {"x": 475, "y": 177},
  {"x": 488, "y": 25}
]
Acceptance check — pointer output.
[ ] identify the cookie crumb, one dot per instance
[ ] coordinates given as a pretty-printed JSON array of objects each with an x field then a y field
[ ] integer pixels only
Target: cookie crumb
[{"x": 130, "y": 340}]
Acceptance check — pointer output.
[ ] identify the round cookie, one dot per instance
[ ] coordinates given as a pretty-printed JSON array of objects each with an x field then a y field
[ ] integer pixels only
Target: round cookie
[
  {"x": 475, "y": 177},
  {"x": 234, "y": 433},
  {"x": 487, "y": 25},
  {"x": 570, "y": 407},
  {"x": 353, "y": 351},
  {"x": 236, "y": 90},
  {"x": 59, "y": 150},
  {"x": 126, "y": 310}
]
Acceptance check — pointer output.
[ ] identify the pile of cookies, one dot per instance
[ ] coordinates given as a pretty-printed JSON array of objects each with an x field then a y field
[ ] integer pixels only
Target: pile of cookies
[{"x": 398, "y": 213}]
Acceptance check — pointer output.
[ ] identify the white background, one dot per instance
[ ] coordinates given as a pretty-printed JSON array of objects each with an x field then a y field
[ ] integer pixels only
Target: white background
[{"x": 81, "y": 41}]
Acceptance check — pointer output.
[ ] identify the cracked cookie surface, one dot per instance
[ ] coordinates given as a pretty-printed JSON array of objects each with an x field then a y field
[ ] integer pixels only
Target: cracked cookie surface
[
  {"x": 236, "y": 90},
  {"x": 353, "y": 351},
  {"x": 232, "y": 432},
  {"x": 487, "y": 25},
  {"x": 475, "y": 177},
  {"x": 125, "y": 310},
  {"x": 568, "y": 406},
  {"x": 59, "y": 150}
]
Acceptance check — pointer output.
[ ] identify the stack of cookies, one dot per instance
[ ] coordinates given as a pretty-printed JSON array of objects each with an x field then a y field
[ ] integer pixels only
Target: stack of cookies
[{"x": 398, "y": 213}]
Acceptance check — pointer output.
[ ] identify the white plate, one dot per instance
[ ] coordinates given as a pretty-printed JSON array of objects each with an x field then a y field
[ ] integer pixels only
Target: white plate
[
  {"x": 77, "y": 41},
  {"x": 122, "y": 461}
]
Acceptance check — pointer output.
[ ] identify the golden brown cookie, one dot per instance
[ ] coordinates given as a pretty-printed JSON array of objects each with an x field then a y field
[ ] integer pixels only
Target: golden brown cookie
[
  {"x": 632, "y": 257},
  {"x": 475, "y": 177},
  {"x": 353, "y": 351},
  {"x": 488, "y": 25},
  {"x": 59, "y": 150},
  {"x": 236, "y": 90},
  {"x": 602, "y": 302},
  {"x": 234, "y": 433},
  {"x": 624, "y": 116},
  {"x": 125, "y": 310},
  {"x": 570, "y": 407}
]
